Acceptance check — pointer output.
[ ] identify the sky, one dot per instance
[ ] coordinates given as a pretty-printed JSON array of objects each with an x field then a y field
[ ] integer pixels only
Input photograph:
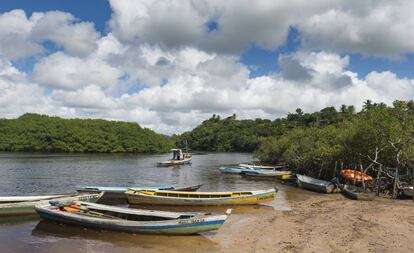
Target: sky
[{"x": 170, "y": 64}]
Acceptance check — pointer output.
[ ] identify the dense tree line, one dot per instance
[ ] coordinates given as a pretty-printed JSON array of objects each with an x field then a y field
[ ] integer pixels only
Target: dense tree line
[
  {"x": 40, "y": 133},
  {"x": 230, "y": 134},
  {"x": 379, "y": 141}
]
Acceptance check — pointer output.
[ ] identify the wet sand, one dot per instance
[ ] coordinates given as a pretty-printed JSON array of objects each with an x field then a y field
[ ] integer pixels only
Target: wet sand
[
  {"x": 325, "y": 223},
  {"x": 298, "y": 221}
]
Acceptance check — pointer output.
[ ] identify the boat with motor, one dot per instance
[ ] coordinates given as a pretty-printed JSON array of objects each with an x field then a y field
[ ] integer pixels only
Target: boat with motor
[{"x": 179, "y": 158}]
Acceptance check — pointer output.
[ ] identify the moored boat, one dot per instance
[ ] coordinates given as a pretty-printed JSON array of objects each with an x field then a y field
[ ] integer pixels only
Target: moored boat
[
  {"x": 27, "y": 207},
  {"x": 314, "y": 184},
  {"x": 408, "y": 191},
  {"x": 129, "y": 219},
  {"x": 358, "y": 176},
  {"x": 274, "y": 174},
  {"x": 116, "y": 194},
  {"x": 260, "y": 166},
  {"x": 238, "y": 169},
  {"x": 179, "y": 158},
  {"x": 356, "y": 193},
  {"x": 159, "y": 197},
  {"x": 15, "y": 199}
]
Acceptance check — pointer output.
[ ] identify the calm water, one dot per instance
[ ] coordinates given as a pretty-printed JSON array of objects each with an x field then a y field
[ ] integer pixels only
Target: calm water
[{"x": 25, "y": 174}]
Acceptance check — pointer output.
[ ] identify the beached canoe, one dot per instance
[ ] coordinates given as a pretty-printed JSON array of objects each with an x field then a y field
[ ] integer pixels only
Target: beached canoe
[
  {"x": 199, "y": 198},
  {"x": 408, "y": 191},
  {"x": 260, "y": 166},
  {"x": 314, "y": 184},
  {"x": 130, "y": 219},
  {"x": 274, "y": 174},
  {"x": 117, "y": 195},
  {"x": 239, "y": 169},
  {"x": 358, "y": 176},
  {"x": 15, "y": 199},
  {"x": 356, "y": 193},
  {"x": 27, "y": 207}
]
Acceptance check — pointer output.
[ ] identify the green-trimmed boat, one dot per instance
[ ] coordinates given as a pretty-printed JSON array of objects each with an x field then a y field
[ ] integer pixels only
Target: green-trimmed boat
[{"x": 22, "y": 205}]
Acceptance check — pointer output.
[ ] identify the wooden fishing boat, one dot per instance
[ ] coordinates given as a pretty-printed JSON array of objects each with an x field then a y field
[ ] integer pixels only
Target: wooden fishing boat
[
  {"x": 116, "y": 195},
  {"x": 260, "y": 166},
  {"x": 179, "y": 158},
  {"x": 239, "y": 169},
  {"x": 356, "y": 193},
  {"x": 129, "y": 219},
  {"x": 407, "y": 191},
  {"x": 27, "y": 207},
  {"x": 314, "y": 184},
  {"x": 159, "y": 197},
  {"x": 15, "y": 199},
  {"x": 354, "y": 174},
  {"x": 273, "y": 174}
]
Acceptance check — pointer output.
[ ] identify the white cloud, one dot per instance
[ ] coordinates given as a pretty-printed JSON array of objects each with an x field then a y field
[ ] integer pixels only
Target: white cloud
[
  {"x": 378, "y": 28},
  {"x": 62, "y": 28},
  {"x": 61, "y": 71},
  {"x": 23, "y": 37},
  {"x": 161, "y": 67},
  {"x": 15, "y": 31}
]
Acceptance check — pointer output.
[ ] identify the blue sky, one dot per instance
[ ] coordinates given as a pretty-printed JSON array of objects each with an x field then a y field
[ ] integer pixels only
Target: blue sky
[
  {"x": 264, "y": 61},
  {"x": 169, "y": 65}
]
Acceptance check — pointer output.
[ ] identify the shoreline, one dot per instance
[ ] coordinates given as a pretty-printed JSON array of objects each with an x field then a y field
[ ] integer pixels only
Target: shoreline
[{"x": 325, "y": 223}]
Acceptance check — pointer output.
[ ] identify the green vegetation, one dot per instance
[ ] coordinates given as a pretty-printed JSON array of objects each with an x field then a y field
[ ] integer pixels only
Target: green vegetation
[
  {"x": 40, "y": 133},
  {"x": 230, "y": 134},
  {"x": 379, "y": 140}
]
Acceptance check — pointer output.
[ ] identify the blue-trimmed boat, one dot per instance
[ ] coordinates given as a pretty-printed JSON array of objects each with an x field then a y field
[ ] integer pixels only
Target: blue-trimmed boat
[
  {"x": 240, "y": 170},
  {"x": 130, "y": 219}
]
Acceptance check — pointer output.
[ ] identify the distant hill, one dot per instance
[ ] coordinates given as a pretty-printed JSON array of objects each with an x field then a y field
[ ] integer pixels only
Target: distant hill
[{"x": 41, "y": 133}]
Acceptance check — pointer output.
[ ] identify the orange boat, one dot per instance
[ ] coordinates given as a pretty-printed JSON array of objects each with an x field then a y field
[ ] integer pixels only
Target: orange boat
[{"x": 351, "y": 174}]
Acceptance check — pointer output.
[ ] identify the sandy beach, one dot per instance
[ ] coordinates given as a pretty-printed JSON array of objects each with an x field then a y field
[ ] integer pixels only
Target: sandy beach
[{"x": 325, "y": 223}]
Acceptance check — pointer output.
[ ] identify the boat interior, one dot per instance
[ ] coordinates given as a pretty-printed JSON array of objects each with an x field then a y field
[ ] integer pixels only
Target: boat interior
[
  {"x": 200, "y": 195},
  {"x": 112, "y": 214}
]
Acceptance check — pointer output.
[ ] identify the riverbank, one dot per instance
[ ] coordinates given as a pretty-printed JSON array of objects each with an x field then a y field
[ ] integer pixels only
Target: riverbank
[{"x": 326, "y": 223}]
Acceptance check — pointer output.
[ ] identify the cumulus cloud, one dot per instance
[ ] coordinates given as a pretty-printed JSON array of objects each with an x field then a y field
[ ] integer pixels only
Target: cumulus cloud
[
  {"x": 161, "y": 66},
  {"x": 374, "y": 28},
  {"x": 22, "y": 36},
  {"x": 62, "y": 71}
]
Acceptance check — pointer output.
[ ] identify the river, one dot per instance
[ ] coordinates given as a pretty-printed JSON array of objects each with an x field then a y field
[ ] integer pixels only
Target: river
[{"x": 33, "y": 174}]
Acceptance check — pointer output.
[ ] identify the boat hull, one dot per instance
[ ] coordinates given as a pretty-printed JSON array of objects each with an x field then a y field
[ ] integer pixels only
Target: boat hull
[
  {"x": 116, "y": 195},
  {"x": 315, "y": 185},
  {"x": 253, "y": 199},
  {"x": 356, "y": 193},
  {"x": 27, "y": 208},
  {"x": 168, "y": 163},
  {"x": 186, "y": 226}
]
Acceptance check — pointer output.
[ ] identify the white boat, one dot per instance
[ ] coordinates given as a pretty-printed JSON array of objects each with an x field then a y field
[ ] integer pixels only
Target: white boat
[
  {"x": 179, "y": 158},
  {"x": 27, "y": 207},
  {"x": 257, "y": 166},
  {"x": 130, "y": 219},
  {"x": 15, "y": 199}
]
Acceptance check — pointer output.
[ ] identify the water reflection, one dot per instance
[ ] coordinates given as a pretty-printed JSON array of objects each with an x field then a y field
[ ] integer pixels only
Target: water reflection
[
  {"x": 33, "y": 173},
  {"x": 58, "y": 235}
]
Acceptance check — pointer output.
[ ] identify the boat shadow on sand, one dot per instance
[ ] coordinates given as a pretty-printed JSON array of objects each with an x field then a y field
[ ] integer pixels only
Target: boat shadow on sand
[{"x": 51, "y": 232}]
